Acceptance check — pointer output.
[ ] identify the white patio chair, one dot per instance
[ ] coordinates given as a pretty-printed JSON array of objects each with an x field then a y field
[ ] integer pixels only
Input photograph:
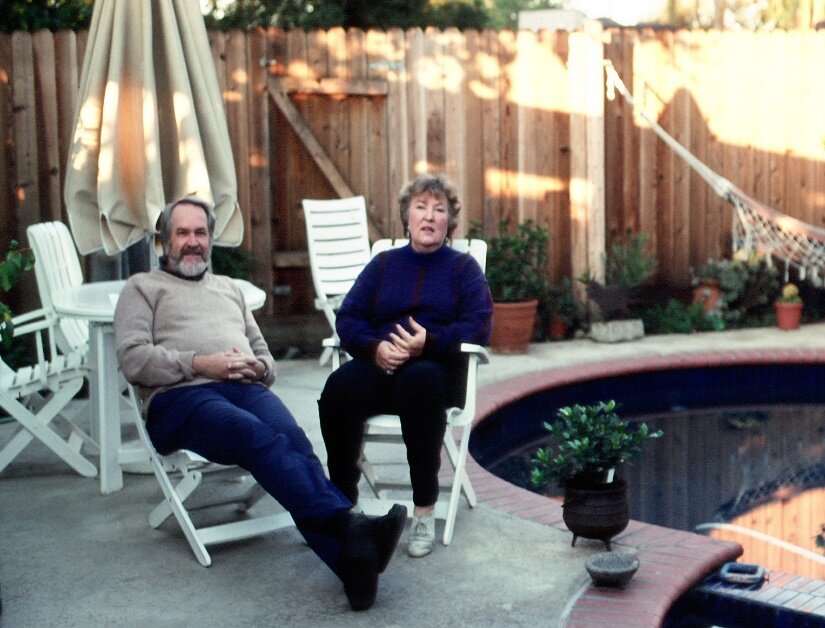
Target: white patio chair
[
  {"x": 386, "y": 428},
  {"x": 57, "y": 266},
  {"x": 339, "y": 248},
  {"x": 36, "y": 396},
  {"x": 228, "y": 485}
]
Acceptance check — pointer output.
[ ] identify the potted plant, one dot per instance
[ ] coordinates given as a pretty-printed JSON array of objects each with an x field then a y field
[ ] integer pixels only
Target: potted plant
[
  {"x": 516, "y": 272},
  {"x": 706, "y": 281},
  {"x": 788, "y": 308},
  {"x": 745, "y": 284},
  {"x": 560, "y": 311},
  {"x": 627, "y": 265},
  {"x": 588, "y": 442}
]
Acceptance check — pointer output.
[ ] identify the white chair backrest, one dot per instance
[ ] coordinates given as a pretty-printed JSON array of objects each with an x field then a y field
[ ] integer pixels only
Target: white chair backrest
[
  {"x": 477, "y": 248},
  {"x": 57, "y": 266},
  {"x": 338, "y": 243}
]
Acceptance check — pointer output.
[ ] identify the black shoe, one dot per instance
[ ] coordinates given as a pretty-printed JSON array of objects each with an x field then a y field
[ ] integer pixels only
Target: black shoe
[
  {"x": 388, "y": 531},
  {"x": 369, "y": 546}
]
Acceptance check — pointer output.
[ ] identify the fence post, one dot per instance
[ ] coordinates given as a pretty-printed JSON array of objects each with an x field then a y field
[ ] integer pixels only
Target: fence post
[{"x": 587, "y": 172}]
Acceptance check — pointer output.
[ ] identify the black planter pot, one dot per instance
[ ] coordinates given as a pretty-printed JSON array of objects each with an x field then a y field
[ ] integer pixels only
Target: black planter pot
[{"x": 595, "y": 510}]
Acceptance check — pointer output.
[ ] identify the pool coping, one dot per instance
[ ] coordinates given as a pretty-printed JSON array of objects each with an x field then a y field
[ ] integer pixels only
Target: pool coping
[{"x": 656, "y": 585}]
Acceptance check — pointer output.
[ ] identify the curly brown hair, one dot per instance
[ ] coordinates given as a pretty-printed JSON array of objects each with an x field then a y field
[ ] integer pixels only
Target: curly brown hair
[{"x": 438, "y": 185}]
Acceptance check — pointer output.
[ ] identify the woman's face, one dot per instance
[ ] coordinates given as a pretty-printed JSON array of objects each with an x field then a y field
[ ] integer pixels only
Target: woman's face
[{"x": 427, "y": 221}]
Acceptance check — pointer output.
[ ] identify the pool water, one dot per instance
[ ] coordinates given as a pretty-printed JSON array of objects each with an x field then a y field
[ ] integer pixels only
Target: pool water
[{"x": 733, "y": 437}]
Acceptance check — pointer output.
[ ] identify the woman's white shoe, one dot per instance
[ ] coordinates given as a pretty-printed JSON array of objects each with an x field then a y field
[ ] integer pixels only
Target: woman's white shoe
[{"x": 422, "y": 536}]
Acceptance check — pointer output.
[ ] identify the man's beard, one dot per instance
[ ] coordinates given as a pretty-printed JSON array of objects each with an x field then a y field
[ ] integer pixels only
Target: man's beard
[{"x": 186, "y": 268}]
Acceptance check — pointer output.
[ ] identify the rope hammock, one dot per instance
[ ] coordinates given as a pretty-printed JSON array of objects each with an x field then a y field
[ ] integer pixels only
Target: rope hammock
[{"x": 756, "y": 226}]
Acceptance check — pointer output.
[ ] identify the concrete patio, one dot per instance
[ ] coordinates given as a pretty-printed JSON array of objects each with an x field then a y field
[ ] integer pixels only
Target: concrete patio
[{"x": 70, "y": 556}]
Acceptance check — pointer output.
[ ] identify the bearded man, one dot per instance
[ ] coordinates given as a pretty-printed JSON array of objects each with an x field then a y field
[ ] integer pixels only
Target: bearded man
[{"x": 189, "y": 344}]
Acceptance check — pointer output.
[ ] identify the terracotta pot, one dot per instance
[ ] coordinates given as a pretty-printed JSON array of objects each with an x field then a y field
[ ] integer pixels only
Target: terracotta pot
[
  {"x": 788, "y": 315},
  {"x": 595, "y": 510},
  {"x": 513, "y": 326},
  {"x": 557, "y": 328},
  {"x": 708, "y": 294}
]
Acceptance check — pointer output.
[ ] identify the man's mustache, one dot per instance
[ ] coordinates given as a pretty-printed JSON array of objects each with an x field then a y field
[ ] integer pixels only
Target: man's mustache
[{"x": 192, "y": 250}]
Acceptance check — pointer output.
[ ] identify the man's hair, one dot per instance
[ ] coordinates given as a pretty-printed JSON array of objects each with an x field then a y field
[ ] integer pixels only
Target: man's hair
[
  {"x": 437, "y": 185},
  {"x": 166, "y": 216}
]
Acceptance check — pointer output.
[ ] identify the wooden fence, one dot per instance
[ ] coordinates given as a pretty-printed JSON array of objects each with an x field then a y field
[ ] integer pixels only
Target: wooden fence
[{"x": 518, "y": 119}]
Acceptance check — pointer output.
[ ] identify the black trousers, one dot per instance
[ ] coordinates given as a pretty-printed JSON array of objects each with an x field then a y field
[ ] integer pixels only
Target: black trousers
[{"x": 419, "y": 392}]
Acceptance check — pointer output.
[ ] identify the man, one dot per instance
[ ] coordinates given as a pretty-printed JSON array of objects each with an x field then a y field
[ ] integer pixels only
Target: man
[{"x": 201, "y": 366}]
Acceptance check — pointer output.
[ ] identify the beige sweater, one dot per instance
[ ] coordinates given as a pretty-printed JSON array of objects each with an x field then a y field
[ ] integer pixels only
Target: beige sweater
[{"x": 163, "y": 321}]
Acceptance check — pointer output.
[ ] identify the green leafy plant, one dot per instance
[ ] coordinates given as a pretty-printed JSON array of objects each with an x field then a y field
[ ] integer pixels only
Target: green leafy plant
[
  {"x": 627, "y": 265},
  {"x": 516, "y": 261},
  {"x": 677, "y": 318},
  {"x": 588, "y": 441},
  {"x": 234, "y": 262},
  {"x": 561, "y": 302},
  {"x": 18, "y": 260},
  {"x": 747, "y": 283}
]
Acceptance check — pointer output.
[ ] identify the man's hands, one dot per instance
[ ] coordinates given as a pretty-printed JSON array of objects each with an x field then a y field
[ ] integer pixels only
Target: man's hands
[
  {"x": 401, "y": 346},
  {"x": 229, "y": 365}
]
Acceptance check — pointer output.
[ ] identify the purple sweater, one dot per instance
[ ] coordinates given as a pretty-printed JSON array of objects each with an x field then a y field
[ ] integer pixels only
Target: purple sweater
[{"x": 445, "y": 292}]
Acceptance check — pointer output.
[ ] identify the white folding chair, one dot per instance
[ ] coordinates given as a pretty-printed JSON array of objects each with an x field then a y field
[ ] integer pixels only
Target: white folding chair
[
  {"x": 386, "y": 428},
  {"x": 37, "y": 395},
  {"x": 229, "y": 485},
  {"x": 339, "y": 248},
  {"x": 57, "y": 266}
]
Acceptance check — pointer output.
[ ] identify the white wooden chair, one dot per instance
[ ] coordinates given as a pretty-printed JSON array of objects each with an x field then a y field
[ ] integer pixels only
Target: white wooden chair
[
  {"x": 339, "y": 248},
  {"x": 57, "y": 266},
  {"x": 36, "y": 396},
  {"x": 229, "y": 485},
  {"x": 386, "y": 428}
]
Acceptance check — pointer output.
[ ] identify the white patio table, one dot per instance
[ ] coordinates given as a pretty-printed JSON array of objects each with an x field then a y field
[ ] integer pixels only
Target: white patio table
[{"x": 95, "y": 302}]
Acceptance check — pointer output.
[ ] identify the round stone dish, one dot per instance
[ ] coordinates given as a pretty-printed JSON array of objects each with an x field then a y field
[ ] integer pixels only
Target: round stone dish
[{"x": 611, "y": 569}]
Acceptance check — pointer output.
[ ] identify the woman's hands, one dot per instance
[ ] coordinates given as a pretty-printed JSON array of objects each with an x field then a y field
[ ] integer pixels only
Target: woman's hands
[
  {"x": 229, "y": 365},
  {"x": 401, "y": 346}
]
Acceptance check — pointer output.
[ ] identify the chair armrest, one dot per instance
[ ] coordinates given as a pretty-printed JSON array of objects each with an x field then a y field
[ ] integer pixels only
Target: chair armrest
[
  {"x": 481, "y": 352},
  {"x": 32, "y": 321}
]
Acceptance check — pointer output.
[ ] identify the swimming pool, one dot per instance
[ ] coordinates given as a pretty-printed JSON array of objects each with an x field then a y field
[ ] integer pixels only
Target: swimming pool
[
  {"x": 512, "y": 415},
  {"x": 727, "y": 431}
]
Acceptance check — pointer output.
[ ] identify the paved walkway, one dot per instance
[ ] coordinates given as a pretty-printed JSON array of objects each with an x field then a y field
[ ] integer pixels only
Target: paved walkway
[{"x": 72, "y": 557}]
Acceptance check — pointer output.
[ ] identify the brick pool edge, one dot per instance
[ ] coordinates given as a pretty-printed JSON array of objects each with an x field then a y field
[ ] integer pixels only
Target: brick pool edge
[{"x": 656, "y": 585}]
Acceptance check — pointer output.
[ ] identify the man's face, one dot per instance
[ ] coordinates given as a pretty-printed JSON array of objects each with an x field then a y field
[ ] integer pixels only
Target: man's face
[{"x": 189, "y": 244}]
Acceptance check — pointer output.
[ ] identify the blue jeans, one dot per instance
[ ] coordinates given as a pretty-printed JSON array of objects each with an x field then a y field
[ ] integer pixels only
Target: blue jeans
[{"x": 248, "y": 425}]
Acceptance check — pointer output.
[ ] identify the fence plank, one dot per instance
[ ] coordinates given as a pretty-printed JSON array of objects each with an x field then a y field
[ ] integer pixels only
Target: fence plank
[
  {"x": 8, "y": 226},
  {"x": 260, "y": 236},
  {"x": 379, "y": 136}
]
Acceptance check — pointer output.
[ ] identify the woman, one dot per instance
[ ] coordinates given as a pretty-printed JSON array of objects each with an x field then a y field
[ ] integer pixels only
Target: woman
[{"x": 403, "y": 322}]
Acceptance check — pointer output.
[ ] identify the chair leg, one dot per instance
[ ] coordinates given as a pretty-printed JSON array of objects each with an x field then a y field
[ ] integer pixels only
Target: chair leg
[
  {"x": 326, "y": 356},
  {"x": 37, "y": 425},
  {"x": 183, "y": 489},
  {"x": 461, "y": 483},
  {"x": 173, "y": 504}
]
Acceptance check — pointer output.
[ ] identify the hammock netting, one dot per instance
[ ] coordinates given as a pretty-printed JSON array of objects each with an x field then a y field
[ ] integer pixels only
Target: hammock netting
[{"x": 756, "y": 227}]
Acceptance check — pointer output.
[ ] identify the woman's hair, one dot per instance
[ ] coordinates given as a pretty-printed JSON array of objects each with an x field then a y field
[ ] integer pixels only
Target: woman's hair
[
  {"x": 166, "y": 216},
  {"x": 437, "y": 185}
]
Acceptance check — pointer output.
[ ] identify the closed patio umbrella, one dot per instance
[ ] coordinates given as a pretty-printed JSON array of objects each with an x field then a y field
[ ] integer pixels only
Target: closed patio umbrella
[{"x": 150, "y": 126}]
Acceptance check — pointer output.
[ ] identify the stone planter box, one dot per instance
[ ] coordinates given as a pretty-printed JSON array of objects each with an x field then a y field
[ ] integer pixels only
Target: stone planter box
[{"x": 617, "y": 331}]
